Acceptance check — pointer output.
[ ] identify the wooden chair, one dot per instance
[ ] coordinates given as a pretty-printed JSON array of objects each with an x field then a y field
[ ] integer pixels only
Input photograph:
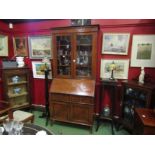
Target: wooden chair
[{"x": 6, "y": 112}]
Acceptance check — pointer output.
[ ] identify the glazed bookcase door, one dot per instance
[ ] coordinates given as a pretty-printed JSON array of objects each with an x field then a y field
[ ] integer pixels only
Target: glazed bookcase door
[
  {"x": 74, "y": 52},
  {"x": 83, "y": 66},
  {"x": 63, "y": 55},
  {"x": 16, "y": 87}
]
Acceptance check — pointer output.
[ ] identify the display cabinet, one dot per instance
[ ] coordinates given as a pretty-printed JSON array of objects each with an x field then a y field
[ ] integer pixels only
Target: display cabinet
[
  {"x": 16, "y": 88},
  {"x": 135, "y": 95},
  {"x": 72, "y": 101},
  {"x": 74, "y": 52}
]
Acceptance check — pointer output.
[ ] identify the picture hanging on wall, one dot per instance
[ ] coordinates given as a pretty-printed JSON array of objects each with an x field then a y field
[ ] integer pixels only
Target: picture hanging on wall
[
  {"x": 3, "y": 45},
  {"x": 40, "y": 46},
  {"x": 143, "y": 51},
  {"x": 115, "y": 43},
  {"x": 38, "y": 68},
  {"x": 120, "y": 71},
  {"x": 20, "y": 46}
]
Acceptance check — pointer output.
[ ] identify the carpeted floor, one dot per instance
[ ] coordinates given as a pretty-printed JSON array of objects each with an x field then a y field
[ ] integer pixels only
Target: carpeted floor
[{"x": 70, "y": 129}]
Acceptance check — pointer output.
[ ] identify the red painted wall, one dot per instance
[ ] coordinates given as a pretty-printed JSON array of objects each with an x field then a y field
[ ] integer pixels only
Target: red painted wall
[{"x": 136, "y": 26}]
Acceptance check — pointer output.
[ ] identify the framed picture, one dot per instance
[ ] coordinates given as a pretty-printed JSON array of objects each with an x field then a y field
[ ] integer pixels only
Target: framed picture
[
  {"x": 3, "y": 45},
  {"x": 115, "y": 43},
  {"x": 143, "y": 51},
  {"x": 121, "y": 69},
  {"x": 40, "y": 46},
  {"x": 20, "y": 46},
  {"x": 38, "y": 68}
]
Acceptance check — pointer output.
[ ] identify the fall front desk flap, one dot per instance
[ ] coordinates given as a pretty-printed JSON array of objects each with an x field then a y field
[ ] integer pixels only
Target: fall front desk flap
[{"x": 83, "y": 87}]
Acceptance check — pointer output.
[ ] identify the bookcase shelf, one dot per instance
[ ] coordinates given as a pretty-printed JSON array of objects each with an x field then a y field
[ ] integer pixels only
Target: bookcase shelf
[{"x": 16, "y": 88}]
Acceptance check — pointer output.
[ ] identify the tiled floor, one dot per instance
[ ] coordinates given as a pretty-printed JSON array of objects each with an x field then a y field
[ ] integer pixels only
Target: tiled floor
[{"x": 70, "y": 129}]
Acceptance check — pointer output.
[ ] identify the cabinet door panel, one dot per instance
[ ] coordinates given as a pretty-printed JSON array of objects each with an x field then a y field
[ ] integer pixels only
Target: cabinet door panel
[
  {"x": 83, "y": 55},
  {"x": 63, "y": 55},
  {"x": 82, "y": 114},
  {"x": 59, "y": 111}
]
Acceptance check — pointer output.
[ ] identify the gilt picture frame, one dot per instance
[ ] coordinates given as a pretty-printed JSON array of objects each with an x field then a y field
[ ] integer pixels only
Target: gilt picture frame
[
  {"x": 3, "y": 45},
  {"x": 115, "y": 43},
  {"x": 40, "y": 47},
  {"x": 143, "y": 51},
  {"x": 38, "y": 68},
  {"x": 121, "y": 71},
  {"x": 20, "y": 46}
]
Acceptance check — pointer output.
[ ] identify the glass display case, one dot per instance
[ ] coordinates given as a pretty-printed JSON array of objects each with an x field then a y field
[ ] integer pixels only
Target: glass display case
[
  {"x": 74, "y": 50},
  {"x": 16, "y": 87},
  {"x": 135, "y": 95}
]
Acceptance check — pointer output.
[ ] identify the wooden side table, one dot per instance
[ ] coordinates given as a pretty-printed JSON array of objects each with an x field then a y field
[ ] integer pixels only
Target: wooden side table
[
  {"x": 144, "y": 123},
  {"x": 111, "y": 85}
]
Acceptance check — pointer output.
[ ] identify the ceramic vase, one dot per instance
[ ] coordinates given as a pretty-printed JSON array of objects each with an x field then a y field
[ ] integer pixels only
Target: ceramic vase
[{"x": 20, "y": 61}]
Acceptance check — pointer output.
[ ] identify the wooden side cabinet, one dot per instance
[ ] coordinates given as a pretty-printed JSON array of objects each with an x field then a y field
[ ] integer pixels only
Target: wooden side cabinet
[
  {"x": 136, "y": 95},
  {"x": 16, "y": 88},
  {"x": 72, "y": 101},
  {"x": 144, "y": 123}
]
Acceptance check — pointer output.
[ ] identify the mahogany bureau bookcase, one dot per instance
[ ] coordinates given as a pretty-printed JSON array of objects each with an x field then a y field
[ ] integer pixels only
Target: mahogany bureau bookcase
[{"x": 72, "y": 90}]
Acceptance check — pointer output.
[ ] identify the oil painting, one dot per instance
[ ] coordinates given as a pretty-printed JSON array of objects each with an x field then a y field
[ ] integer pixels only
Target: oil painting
[
  {"x": 40, "y": 46},
  {"x": 20, "y": 46}
]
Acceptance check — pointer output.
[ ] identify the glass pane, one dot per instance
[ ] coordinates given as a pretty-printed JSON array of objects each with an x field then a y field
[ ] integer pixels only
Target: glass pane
[
  {"x": 63, "y": 55},
  {"x": 83, "y": 55}
]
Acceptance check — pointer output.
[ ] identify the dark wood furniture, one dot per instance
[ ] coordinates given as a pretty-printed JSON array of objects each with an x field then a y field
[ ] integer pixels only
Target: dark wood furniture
[
  {"x": 74, "y": 52},
  {"x": 72, "y": 101},
  {"x": 135, "y": 95},
  {"x": 16, "y": 87},
  {"x": 46, "y": 114},
  {"x": 107, "y": 84},
  {"x": 74, "y": 61},
  {"x": 144, "y": 123},
  {"x": 5, "y": 111}
]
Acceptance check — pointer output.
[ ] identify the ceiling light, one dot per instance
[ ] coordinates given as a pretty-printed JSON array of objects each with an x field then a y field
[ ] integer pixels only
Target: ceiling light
[{"x": 10, "y": 26}]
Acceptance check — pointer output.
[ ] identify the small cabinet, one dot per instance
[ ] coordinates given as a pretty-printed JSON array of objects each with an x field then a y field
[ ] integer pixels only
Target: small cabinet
[
  {"x": 135, "y": 95},
  {"x": 75, "y": 52},
  {"x": 72, "y": 101},
  {"x": 16, "y": 87}
]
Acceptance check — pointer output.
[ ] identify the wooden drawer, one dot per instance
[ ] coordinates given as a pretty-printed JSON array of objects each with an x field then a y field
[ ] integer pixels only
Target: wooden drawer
[
  {"x": 88, "y": 100},
  {"x": 81, "y": 99},
  {"x": 59, "y": 97},
  {"x": 75, "y": 99}
]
